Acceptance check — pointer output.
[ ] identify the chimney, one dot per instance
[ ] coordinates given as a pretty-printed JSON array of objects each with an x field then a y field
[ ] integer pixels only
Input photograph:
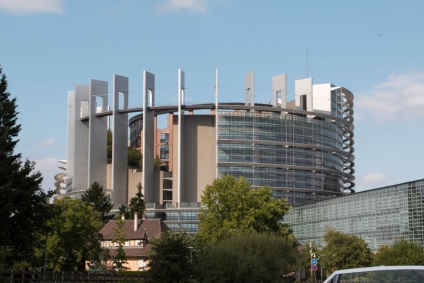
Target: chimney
[{"x": 135, "y": 221}]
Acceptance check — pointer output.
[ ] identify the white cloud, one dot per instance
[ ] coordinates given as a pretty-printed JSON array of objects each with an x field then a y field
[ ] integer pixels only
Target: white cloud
[
  {"x": 22, "y": 7},
  {"x": 198, "y": 6},
  {"x": 374, "y": 178},
  {"x": 400, "y": 97},
  {"x": 49, "y": 142}
]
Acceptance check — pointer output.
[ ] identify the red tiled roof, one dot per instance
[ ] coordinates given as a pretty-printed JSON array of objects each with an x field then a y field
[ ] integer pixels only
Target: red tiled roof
[{"x": 154, "y": 227}]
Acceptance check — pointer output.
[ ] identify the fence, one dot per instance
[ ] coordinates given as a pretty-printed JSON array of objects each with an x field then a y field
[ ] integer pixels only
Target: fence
[{"x": 72, "y": 276}]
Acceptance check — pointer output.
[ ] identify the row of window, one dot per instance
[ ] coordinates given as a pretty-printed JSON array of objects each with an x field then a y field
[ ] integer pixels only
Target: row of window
[{"x": 379, "y": 216}]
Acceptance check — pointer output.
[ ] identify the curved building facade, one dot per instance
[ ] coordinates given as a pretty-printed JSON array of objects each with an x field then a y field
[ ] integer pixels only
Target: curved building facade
[
  {"x": 303, "y": 156},
  {"x": 302, "y": 149}
]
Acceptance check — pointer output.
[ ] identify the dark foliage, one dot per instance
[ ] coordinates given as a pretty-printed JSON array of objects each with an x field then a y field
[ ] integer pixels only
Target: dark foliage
[
  {"x": 23, "y": 203},
  {"x": 95, "y": 196}
]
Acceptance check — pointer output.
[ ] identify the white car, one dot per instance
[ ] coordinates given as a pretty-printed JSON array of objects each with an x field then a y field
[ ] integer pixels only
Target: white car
[{"x": 379, "y": 274}]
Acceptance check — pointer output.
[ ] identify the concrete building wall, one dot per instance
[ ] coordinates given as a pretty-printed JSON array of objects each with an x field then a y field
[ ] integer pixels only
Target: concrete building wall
[
  {"x": 97, "y": 140},
  {"x": 322, "y": 98},
  {"x": 279, "y": 90},
  {"x": 77, "y": 159},
  {"x": 134, "y": 178},
  {"x": 200, "y": 156},
  {"x": 304, "y": 88},
  {"x": 120, "y": 141}
]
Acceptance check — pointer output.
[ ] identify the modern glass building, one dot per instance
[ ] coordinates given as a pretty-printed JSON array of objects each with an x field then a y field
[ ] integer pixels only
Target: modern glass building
[
  {"x": 302, "y": 147},
  {"x": 302, "y": 156},
  {"x": 379, "y": 216}
]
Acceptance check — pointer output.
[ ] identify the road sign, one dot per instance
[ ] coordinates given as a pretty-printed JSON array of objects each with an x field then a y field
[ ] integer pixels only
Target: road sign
[
  {"x": 314, "y": 261},
  {"x": 314, "y": 267}
]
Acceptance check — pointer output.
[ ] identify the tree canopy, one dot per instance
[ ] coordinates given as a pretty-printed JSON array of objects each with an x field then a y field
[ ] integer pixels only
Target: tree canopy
[
  {"x": 247, "y": 256},
  {"x": 344, "y": 251},
  {"x": 172, "y": 257},
  {"x": 137, "y": 205},
  {"x": 72, "y": 236},
  {"x": 23, "y": 203},
  {"x": 95, "y": 196},
  {"x": 400, "y": 253},
  {"x": 120, "y": 259},
  {"x": 231, "y": 204}
]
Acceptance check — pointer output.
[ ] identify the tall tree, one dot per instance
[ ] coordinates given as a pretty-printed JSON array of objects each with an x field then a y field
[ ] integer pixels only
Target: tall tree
[
  {"x": 172, "y": 257},
  {"x": 344, "y": 251},
  {"x": 23, "y": 203},
  {"x": 231, "y": 204},
  {"x": 247, "y": 256},
  {"x": 137, "y": 205},
  {"x": 95, "y": 196},
  {"x": 73, "y": 235},
  {"x": 401, "y": 253},
  {"x": 120, "y": 258}
]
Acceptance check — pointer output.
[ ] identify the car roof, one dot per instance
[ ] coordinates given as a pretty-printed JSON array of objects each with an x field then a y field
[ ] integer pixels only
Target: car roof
[{"x": 377, "y": 268}]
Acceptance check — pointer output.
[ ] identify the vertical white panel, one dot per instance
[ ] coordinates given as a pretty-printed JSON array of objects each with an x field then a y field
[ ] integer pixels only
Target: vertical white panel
[
  {"x": 97, "y": 140},
  {"x": 181, "y": 94},
  {"x": 279, "y": 90},
  {"x": 304, "y": 87},
  {"x": 120, "y": 141},
  {"x": 150, "y": 195},
  {"x": 77, "y": 156},
  {"x": 322, "y": 98}
]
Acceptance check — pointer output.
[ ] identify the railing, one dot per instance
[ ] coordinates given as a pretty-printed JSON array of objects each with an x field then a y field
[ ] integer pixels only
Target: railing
[{"x": 73, "y": 276}]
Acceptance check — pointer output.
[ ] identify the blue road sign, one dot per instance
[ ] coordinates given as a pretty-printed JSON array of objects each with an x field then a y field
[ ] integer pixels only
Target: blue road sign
[{"x": 314, "y": 261}]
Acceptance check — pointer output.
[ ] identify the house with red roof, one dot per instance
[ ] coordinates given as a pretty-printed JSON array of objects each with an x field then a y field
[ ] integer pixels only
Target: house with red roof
[{"x": 138, "y": 237}]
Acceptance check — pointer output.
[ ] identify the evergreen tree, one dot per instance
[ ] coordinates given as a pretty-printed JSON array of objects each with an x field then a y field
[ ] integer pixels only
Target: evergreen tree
[
  {"x": 100, "y": 202},
  {"x": 120, "y": 258},
  {"x": 137, "y": 205},
  {"x": 23, "y": 203}
]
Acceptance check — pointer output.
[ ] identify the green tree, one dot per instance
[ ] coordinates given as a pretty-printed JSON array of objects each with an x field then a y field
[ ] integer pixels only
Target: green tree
[
  {"x": 172, "y": 257},
  {"x": 137, "y": 205},
  {"x": 109, "y": 146},
  {"x": 344, "y": 251},
  {"x": 23, "y": 202},
  {"x": 134, "y": 155},
  {"x": 247, "y": 256},
  {"x": 95, "y": 196},
  {"x": 120, "y": 258},
  {"x": 123, "y": 212},
  {"x": 134, "y": 158},
  {"x": 231, "y": 204},
  {"x": 401, "y": 253},
  {"x": 73, "y": 237}
]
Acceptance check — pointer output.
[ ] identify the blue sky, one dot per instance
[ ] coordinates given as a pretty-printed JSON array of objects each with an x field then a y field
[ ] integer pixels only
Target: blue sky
[{"x": 374, "y": 48}]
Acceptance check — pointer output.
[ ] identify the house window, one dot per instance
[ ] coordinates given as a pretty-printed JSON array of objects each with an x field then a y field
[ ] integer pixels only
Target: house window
[{"x": 141, "y": 264}]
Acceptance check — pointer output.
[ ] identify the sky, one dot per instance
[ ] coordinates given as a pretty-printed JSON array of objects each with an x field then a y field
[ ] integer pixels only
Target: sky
[{"x": 373, "y": 48}]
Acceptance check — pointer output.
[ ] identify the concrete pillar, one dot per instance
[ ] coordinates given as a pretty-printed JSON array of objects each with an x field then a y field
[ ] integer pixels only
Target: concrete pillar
[{"x": 120, "y": 141}]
